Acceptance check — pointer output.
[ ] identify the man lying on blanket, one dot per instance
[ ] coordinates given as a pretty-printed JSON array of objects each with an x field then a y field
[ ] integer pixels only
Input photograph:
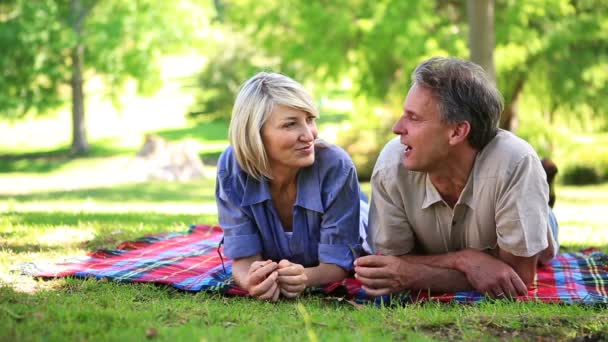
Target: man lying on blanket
[{"x": 469, "y": 209}]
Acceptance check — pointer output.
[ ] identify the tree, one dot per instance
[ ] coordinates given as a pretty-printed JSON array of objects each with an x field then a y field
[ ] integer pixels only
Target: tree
[
  {"x": 51, "y": 45},
  {"x": 556, "y": 48},
  {"x": 480, "y": 14},
  {"x": 561, "y": 44}
]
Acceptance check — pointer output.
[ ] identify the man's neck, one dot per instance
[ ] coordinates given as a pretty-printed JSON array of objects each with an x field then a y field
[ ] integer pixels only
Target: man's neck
[{"x": 452, "y": 177}]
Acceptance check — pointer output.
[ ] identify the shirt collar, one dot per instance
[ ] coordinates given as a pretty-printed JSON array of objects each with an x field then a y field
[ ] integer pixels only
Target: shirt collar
[
  {"x": 255, "y": 191},
  {"x": 309, "y": 191},
  {"x": 431, "y": 195}
]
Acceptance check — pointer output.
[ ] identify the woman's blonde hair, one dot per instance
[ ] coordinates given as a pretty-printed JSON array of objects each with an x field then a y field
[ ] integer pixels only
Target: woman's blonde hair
[{"x": 252, "y": 108}]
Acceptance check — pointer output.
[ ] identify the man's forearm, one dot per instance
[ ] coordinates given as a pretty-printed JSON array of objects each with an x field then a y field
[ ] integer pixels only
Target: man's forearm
[{"x": 437, "y": 279}]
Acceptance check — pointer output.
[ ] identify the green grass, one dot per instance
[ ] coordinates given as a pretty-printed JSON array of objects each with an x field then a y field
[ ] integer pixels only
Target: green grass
[{"x": 46, "y": 226}]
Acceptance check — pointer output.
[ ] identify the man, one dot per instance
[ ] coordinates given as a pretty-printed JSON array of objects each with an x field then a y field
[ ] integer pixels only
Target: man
[{"x": 457, "y": 204}]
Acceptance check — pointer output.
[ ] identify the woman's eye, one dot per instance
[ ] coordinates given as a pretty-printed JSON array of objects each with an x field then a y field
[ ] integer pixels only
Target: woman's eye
[
  {"x": 311, "y": 119},
  {"x": 289, "y": 124}
]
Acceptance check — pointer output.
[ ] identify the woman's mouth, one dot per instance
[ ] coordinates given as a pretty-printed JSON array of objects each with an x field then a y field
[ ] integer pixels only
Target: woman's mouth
[{"x": 306, "y": 149}]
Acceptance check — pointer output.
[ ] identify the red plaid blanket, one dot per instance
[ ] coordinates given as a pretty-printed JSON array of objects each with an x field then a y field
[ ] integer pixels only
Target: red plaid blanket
[{"x": 190, "y": 261}]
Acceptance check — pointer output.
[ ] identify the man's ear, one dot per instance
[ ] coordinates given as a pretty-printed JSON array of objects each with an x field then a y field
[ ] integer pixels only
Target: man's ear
[{"x": 460, "y": 132}]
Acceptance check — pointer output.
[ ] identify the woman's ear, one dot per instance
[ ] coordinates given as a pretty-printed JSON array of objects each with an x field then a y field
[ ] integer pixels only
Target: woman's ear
[{"x": 460, "y": 132}]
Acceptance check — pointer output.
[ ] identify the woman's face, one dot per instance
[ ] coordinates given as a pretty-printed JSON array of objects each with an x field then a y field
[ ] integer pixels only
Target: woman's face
[{"x": 289, "y": 139}]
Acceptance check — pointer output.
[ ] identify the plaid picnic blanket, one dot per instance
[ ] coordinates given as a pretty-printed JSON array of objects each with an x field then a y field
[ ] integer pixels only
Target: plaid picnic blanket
[{"x": 190, "y": 261}]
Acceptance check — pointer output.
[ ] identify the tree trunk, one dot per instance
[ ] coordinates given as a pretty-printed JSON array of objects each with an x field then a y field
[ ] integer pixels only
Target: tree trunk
[
  {"x": 480, "y": 15},
  {"x": 80, "y": 144},
  {"x": 508, "y": 119}
]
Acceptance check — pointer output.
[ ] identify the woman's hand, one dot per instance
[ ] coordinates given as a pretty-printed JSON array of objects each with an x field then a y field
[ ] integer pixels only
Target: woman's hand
[
  {"x": 262, "y": 280},
  {"x": 291, "y": 278}
]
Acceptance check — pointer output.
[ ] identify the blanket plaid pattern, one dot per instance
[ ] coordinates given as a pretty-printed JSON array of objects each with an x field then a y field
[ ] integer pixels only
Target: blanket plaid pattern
[{"x": 190, "y": 261}]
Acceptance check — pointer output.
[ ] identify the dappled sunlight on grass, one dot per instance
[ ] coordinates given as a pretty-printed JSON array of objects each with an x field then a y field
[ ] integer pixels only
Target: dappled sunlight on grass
[
  {"x": 196, "y": 191},
  {"x": 91, "y": 206}
]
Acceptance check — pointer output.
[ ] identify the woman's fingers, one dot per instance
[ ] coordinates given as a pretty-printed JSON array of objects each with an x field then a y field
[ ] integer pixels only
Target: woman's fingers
[
  {"x": 264, "y": 286},
  {"x": 288, "y": 294},
  {"x": 277, "y": 293},
  {"x": 292, "y": 288},
  {"x": 293, "y": 280},
  {"x": 258, "y": 273},
  {"x": 270, "y": 293},
  {"x": 291, "y": 269}
]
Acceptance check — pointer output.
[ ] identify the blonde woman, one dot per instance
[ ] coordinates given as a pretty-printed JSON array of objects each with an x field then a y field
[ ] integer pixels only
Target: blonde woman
[{"x": 288, "y": 203}]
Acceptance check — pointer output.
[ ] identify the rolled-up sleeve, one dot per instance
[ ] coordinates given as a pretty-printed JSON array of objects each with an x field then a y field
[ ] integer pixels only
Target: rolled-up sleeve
[
  {"x": 339, "y": 235},
  {"x": 241, "y": 237},
  {"x": 522, "y": 210}
]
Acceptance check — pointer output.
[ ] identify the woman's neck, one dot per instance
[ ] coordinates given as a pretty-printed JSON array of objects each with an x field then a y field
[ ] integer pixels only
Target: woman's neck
[{"x": 283, "y": 179}]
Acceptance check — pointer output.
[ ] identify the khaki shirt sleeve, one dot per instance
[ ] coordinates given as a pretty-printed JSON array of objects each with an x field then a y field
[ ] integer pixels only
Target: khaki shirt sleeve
[
  {"x": 522, "y": 209},
  {"x": 390, "y": 232}
]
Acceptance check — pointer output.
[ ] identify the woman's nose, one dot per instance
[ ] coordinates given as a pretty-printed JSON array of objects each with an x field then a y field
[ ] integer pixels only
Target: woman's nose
[{"x": 309, "y": 133}]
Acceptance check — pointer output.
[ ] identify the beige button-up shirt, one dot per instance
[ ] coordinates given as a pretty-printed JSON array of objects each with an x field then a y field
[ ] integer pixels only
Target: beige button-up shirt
[{"x": 504, "y": 203}]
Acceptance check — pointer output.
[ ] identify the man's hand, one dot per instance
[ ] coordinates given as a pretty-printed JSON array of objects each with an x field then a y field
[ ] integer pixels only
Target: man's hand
[
  {"x": 292, "y": 279},
  {"x": 262, "y": 280},
  {"x": 491, "y": 275},
  {"x": 382, "y": 275}
]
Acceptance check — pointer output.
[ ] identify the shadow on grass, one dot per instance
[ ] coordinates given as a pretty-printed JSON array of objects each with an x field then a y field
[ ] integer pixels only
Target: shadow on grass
[
  {"x": 51, "y": 160},
  {"x": 153, "y": 192}
]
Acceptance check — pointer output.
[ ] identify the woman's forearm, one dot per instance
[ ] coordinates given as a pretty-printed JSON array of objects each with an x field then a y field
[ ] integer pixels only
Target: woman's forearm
[
  {"x": 324, "y": 274},
  {"x": 240, "y": 269}
]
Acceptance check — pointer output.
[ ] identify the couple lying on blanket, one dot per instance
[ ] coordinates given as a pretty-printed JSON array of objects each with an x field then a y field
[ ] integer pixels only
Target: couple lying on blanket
[{"x": 457, "y": 204}]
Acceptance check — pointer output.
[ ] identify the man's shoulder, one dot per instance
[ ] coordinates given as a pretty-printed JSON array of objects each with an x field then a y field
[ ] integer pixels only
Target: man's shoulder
[
  {"x": 505, "y": 150},
  {"x": 389, "y": 167},
  {"x": 391, "y": 156}
]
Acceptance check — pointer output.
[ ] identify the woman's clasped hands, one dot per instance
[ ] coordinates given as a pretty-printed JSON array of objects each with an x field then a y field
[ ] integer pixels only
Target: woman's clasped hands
[{"x": 268, "y": 280}]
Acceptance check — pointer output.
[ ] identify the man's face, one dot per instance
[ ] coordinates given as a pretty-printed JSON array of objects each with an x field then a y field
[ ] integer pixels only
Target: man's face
[{"x": 424, "y": 134}]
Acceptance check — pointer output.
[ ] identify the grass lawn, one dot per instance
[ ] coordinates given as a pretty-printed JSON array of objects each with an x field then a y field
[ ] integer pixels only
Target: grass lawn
[{"x": 53, "y": 208}]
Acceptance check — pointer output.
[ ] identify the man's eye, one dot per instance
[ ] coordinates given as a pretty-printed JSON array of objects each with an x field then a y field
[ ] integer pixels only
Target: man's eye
[
  {"x": 289, "y": 124},
  {"x": 311, "y": 119}
]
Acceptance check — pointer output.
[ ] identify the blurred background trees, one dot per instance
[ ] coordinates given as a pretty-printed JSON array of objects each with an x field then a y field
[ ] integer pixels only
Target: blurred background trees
[
  {"x": 550, "y": 59},
  {"x": 49, "y": 45}
]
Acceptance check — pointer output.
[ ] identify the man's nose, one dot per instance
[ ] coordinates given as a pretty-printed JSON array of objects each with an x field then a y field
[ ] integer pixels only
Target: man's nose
[{"x": 399, "y": 127}]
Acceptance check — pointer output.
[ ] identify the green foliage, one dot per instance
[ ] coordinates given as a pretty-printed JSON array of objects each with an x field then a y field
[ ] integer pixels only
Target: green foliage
[
  {"x": 554, "y": 50},
  {"x": 557, "y": 50},
  {"x": 227, "y": 68},
  {"x": 122, "y": 40},
  {"x": 581, "y": 175},
  {"x": 588, "y": 166}
]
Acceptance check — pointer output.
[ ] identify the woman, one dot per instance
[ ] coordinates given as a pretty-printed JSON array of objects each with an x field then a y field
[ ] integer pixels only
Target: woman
[{"x": 288, "y": 203}]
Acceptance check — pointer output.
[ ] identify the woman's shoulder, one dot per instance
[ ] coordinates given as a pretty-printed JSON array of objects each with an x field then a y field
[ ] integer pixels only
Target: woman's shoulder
[
  {"x": 227, "y": 164},
  {"x": 228, "y": 169}
]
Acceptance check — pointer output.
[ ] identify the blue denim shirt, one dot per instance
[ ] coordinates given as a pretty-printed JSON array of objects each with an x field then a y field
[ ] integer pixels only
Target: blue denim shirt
[{"x": 325, "y": 214}]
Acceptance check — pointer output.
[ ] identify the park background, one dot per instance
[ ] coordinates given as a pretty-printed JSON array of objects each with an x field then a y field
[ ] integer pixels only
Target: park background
[{"x": 84, "y": 81}]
